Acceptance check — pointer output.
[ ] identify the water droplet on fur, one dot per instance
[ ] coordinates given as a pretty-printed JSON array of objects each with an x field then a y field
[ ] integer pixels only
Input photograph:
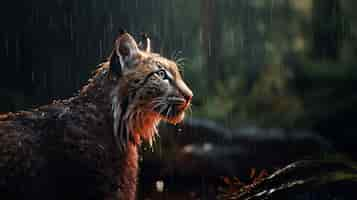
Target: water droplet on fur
[{"x": 160, "y": 185}]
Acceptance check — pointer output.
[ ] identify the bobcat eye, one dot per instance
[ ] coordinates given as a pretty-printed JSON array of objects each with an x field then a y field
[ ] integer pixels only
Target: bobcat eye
[{"x": 162, "y": 74}]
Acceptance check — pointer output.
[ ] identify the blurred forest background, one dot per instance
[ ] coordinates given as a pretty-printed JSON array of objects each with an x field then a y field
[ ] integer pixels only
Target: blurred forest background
[{"x": 287, "y": 64}]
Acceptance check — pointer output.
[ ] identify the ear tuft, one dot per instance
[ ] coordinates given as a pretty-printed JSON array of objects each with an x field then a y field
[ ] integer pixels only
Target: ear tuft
[
  {"x": 122, "y": 31},
  {"x": 144, "y": 35},
  {"x": 145, "y": 44}
]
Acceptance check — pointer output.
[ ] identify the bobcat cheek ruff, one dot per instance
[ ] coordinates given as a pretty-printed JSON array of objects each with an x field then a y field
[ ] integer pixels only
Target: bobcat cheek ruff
[{"x": 138, "y": 120}]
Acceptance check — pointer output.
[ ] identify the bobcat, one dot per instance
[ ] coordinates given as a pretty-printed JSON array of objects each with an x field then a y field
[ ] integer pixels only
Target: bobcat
[{"x": 86, "y": 147}]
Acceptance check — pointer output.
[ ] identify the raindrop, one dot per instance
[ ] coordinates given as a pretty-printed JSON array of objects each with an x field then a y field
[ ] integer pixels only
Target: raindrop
[
  {"x": 44, "y": 80},
  {"x": 7, "y": 47},
  {"x": 17, "y": 50},
  {"x": 65, "y": 20},
  {"x": 100, "y": 48},
  {"x": 200, "y": 36},
  {"x": 77, "y": 49},
  {"x": 111, "y": 25},
  {"x": 209, "y": 47},
  {"x": 71, "y": 26},
  {"x": 232, "y": 39},
  {"x": 271, "y": 10}
]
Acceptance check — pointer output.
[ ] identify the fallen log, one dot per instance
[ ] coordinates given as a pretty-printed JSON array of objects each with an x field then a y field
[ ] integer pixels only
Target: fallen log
[{"x": 204, "y": 148}]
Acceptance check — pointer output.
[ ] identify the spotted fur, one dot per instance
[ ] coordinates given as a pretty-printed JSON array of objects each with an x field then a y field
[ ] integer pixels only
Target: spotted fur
[{"x": 86, "y": 147}]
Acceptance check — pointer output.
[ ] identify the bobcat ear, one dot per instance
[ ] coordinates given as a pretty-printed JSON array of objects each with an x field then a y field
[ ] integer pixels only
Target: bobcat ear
[{"x": 124, "y": 54}]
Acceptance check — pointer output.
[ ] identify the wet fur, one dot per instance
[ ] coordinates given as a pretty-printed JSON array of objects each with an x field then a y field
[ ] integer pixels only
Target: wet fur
[
  {"x": 65, "y": 150},
  {"x": 86, "y": 147}
]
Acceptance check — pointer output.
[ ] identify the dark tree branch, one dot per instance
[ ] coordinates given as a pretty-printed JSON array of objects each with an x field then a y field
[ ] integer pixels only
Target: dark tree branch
[{"x": 298, "y": 176}]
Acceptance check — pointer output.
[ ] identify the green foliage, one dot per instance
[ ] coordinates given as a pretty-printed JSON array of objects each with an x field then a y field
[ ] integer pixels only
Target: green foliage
[
  {"x": 272, "y": 102},
  {"x": 223, "y": 102},
  {"x": 245, "y": 60},
  {"x": 266, "y": 75}
]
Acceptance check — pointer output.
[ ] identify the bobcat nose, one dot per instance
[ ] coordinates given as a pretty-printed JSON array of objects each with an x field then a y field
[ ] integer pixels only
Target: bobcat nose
[
  {"x": 186, "y": 93},
  {"x": 188, "y": 97}
]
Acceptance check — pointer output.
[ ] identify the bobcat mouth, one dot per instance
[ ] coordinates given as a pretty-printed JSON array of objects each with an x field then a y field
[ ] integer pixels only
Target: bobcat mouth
[{"x": 173, "y": 109}]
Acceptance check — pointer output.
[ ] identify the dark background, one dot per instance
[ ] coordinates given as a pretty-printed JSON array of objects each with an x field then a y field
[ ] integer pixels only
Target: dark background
[{"x": 281, "y": 64}]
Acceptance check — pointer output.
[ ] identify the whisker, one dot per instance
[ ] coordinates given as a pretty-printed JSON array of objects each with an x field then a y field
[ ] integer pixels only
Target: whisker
[
  {"x": 180, "y": 60},
  {"x": 173, "y": 55},
  {"x": 176, "y": 54},
  {"x": 158, "y": 99},
  {"x": 155, "y": 108},
  {"x": 157, "y": 105},
  {"x": 168, "y": 111},
  {"x": 162, "y": 109}
]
